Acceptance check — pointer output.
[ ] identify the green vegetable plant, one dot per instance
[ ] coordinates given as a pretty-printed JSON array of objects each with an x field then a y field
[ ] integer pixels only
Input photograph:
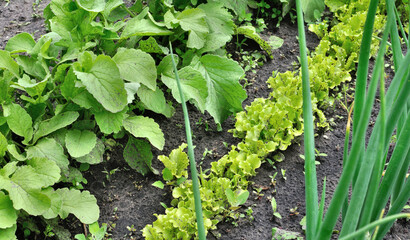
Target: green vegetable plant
[
  {"x": 96, "y": 233},
  {"x": 363, "y": 214},
  {"x": 263, "y": 130},
  {"x": 66, "y": 96}
]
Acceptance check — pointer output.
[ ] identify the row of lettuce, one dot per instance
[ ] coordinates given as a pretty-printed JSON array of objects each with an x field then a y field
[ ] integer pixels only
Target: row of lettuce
[
  {"x": 267, "y": 125},
  {"x": 66, "y": 97}
]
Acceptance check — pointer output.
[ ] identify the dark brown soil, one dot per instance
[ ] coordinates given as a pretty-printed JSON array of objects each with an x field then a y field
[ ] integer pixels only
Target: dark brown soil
[{"x": 128, "y": 200}]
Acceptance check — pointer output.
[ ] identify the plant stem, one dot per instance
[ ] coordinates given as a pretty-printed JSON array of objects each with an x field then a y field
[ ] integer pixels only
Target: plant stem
[
  {"x": 309, "y": 140},
  {"x": 192, "y": 162},
  {"x": 127, "y": 10},
  {"x": 375, "y": 224}
]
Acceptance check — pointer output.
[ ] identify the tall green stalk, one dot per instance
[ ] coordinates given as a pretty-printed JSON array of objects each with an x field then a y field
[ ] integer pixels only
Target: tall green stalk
[
  {"x": 191, "y": 155},
  {"x": 309, "y": 140}
]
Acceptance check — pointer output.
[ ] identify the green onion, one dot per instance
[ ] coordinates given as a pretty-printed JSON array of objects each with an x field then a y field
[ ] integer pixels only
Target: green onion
[
  {"x": 363, "y": 164},
  {"x": 192, "y": 162}
]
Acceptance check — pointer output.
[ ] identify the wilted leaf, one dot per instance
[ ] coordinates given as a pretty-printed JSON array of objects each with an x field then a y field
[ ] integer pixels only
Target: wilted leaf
[{"x": 138, "y": 155}]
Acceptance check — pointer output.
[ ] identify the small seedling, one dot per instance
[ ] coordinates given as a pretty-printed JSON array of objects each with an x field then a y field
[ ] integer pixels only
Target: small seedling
[
  {"x": 249, "y": 213},
  {"x": 293, "y": 211},
  {"x": 258, "y": 192},
  {"x": 274, "y": 208},
  {"x": 273, "y": 179},
  {"x": 96, "y": 233},
  {"x": 206, "y": 153},
  {"x": 131, "y": 228},
  {"x": 110, "y": 173}
]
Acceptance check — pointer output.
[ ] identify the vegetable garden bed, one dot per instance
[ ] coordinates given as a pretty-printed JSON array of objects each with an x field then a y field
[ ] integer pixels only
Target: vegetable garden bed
[{"x": 128, "y": 200}]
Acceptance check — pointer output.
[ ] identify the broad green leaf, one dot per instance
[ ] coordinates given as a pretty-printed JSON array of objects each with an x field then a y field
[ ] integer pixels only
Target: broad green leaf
[
  {"x": 143, "y": 27},
  {"x": 12, "y": 149},
  {"x": 158, "y": 184},
  {"x": 55, "y": 123},
  {"x": 193, "y": 21},
  {"x": 104, "y": 82},
  {"x": 165, "y": 66},
  {"x": 236, "y": 198},
  {"x": 137, "y": 153},
  {"x": 32, "y": 66},
  {"x": 109, "y": 122},
  {"x": 3, "y": 145},
  {"x": 8, "y": 233},
  {"x": 8, "y": 215},
  {"x": 221, "y": 26},
  {"x": 36, "y": 111},
  {"x": 22, "y": 42},
  {"x": 110, "y": 6},
  {"x": 5, "y": 93},
  {"x": 6, "y": 62},
  {"x": 239, "y": 7},
  {"x": 8, "y": 169},
  {"x": 84, "y": 125},
  {"x": 50, "y": 149},
  {"x": 27, "y": 177},
  {"x": 95, "y": 156},
  {"x": 85, "y": 100},
  {"x": 225, "y": 94},
  {"x": 80, "y": 143},
  {"x": 312, "y": 9},
  {"x": 68, "y": 88},
  {"x": 136, "y": 66},
  {"x": 58, "y": 8},
  {"x": 19, "y": 121},
  {"x": 47, "y": 170},
  {"x": 56, "y": 203},
  {"x": 193, "y": 84},
  {"x": 82, "y": 204},
  {"x": 275, "y": 42},
  {"x": 92, "y": 5},
  {"x": 167, "y": 174},
  {"x": 31, "y": 86},
  {"x": 154, "y": 101},
  {"x": 24, "y": 190},
  {"x": 144, "y": 127}
]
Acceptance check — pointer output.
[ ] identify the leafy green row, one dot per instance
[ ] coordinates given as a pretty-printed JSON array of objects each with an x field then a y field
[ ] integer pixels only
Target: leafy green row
[
  {"x": 279, "y": 118},
  {"x": 65, "y": 96},
  {"x": 266, "y": 125},
  {"x": 223, "y": 189}
]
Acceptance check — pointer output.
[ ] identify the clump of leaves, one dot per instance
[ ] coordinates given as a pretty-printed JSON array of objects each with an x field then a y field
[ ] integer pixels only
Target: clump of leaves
[
  {"x": 65, "y": 93},
  {"x": 223, "y": 191}
]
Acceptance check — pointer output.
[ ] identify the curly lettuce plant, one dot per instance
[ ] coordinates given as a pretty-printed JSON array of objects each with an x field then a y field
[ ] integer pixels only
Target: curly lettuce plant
[{"x": 64, "y": 96}]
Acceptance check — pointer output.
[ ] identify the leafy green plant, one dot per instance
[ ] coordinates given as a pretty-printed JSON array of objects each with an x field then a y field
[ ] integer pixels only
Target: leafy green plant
[
  {"x": 261, "y": 135},
  {"x": 370, "y": 188},
  {"x": 63, "y": 94},
  {"x": 96, "y": 233}
]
